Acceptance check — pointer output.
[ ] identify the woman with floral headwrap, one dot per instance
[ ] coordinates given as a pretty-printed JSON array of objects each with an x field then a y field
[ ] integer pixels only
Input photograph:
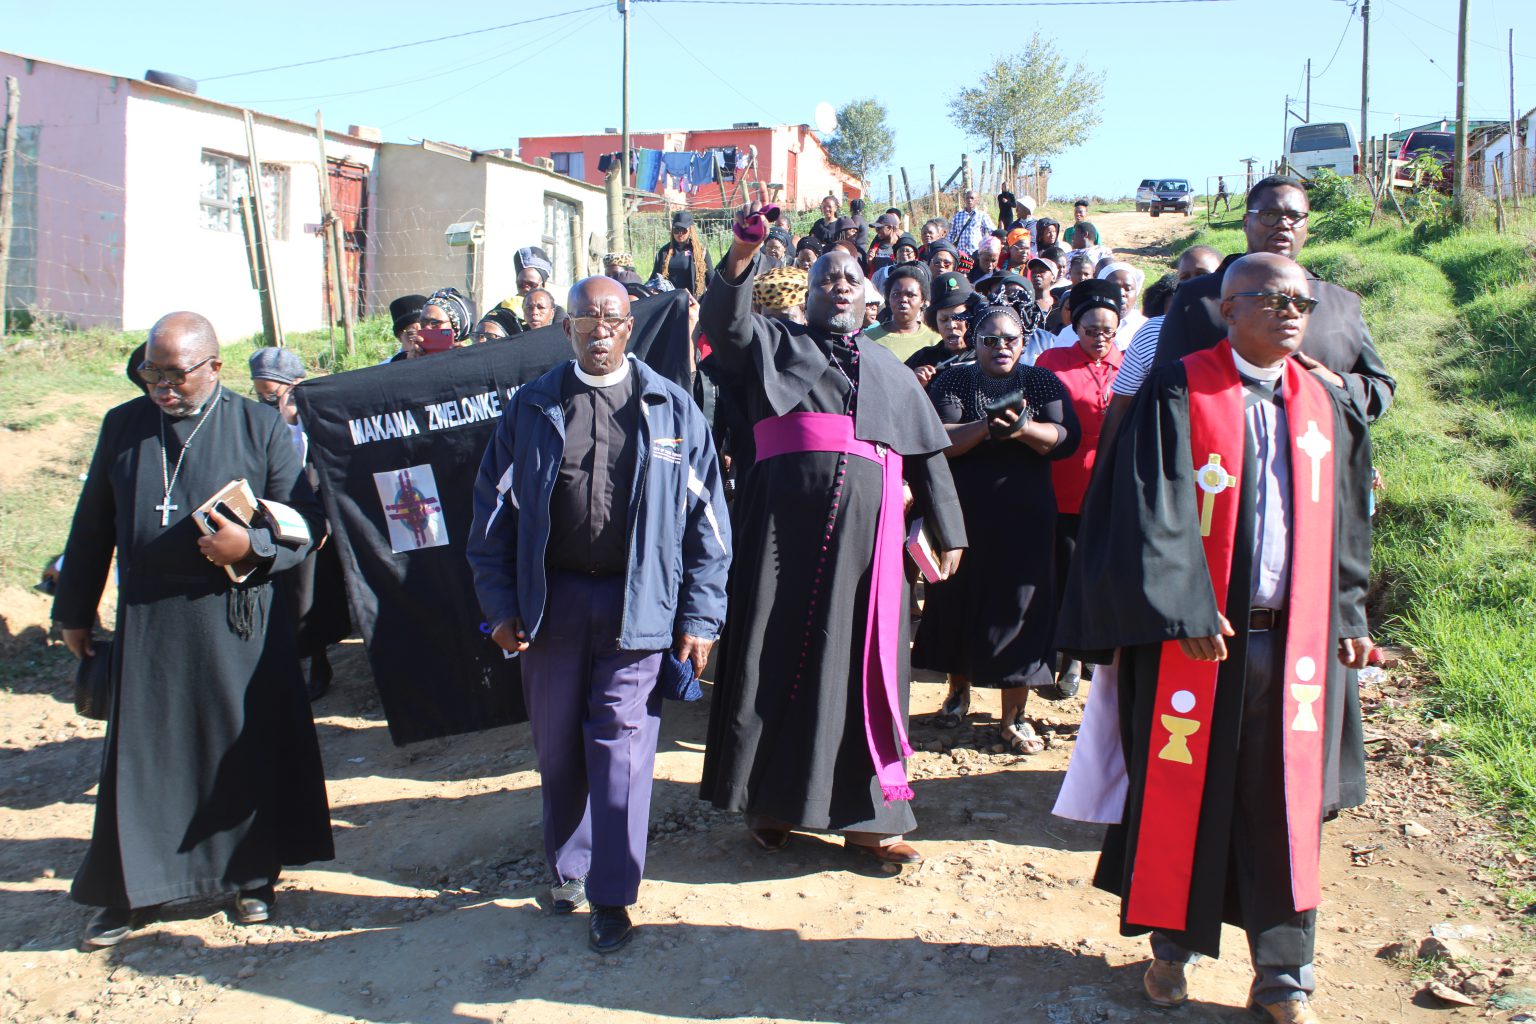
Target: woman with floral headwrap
[
  {"x": 446, "y": 319},
  {"x": 992, "y": 623}
]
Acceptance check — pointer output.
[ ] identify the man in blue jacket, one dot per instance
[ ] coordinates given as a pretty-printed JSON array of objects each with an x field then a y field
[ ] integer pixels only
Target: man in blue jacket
[{"x": 600, "y": 540}]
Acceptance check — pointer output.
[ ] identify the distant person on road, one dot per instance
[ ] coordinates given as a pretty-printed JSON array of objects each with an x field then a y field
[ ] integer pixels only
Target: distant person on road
[
  {"x": 1230, "y": 573},
  {"x": 1081, "y": 227},
  {"x": 970, "y": 224},
  {"x": 1221, "y": 194}
]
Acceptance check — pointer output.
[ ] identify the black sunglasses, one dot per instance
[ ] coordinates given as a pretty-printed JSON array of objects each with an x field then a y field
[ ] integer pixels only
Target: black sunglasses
[
  {"x": 172, "y": 378},
  {"x": 1277, "y": 302}
]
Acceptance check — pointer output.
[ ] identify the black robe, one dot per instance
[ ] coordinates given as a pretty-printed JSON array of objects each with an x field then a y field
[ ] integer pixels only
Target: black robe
[
  {"x": 798, "y": 751},
  {"x": 1336, "y": 335},
  {"x": 1139, "y": 578},
  {"x": 210, "y": 775}
]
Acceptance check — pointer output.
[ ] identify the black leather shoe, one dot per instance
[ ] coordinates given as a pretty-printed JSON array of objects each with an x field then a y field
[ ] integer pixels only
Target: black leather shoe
[
  {"x": 568, "y": 897},
  {"x": 610, "y": 929},
  {"x": 254, "y": 906},
  {"x": 109, "y": 927}
]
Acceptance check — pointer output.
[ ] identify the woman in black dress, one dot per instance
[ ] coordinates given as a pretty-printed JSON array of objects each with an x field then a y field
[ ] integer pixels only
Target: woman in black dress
[{"x": 992, "y": 624}]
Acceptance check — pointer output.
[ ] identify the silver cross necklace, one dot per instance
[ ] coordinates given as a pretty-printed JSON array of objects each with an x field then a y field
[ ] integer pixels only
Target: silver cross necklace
[{"x": 167, "y": 474}]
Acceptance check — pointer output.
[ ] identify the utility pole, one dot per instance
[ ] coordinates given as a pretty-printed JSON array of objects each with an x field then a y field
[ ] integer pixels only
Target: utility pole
[
  {"x": 1365, "y": 71},
  {"x": 1460, "y": 186},
  {"x": 1285, "y": 133},
  {"x": 1514, "y": 135},
  {"x": 1309, "y": 91},
  {"x": 624, "y": 155},
  {"x": 7, "y": 180}
]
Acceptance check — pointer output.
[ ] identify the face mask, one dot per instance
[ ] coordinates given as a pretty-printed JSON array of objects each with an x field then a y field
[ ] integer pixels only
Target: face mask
[{"x": 435, "y": 339}]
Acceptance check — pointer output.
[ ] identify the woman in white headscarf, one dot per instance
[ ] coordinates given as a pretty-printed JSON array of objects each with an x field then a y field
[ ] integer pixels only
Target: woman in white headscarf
[{"x": 1129, "y": 280}]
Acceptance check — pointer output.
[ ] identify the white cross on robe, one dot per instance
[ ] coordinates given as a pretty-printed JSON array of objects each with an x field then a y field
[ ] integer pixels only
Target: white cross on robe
[{"x": 1315, "y": 446}]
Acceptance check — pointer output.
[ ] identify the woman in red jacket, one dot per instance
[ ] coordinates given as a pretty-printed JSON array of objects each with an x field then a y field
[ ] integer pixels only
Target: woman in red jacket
[{"x": 1087, "y": 369}]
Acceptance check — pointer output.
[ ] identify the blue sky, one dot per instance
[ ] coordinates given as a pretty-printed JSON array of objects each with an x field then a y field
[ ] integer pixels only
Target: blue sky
[{"x": 1190, "y": 88}]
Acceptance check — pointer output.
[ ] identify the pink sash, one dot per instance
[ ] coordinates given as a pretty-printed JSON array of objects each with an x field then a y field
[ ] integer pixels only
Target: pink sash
[{"x": 884, "y": 725}]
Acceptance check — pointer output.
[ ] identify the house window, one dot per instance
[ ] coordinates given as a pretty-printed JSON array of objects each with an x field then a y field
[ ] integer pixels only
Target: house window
[
  {"x": 727, "y": 161},
  {"x": 562, "y": 237},
  {"x": 572, "y": 164},
  {"x": 226, "y": 179}
]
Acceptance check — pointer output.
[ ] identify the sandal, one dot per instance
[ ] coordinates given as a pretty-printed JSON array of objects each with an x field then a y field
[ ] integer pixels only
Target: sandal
[
  {"x": 1021, "y": 736},
  {"x": 956, "y": 706}
]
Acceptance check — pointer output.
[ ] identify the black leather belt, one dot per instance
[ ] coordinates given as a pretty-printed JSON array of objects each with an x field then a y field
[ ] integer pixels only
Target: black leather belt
[{"x": 1263, "y": 619}]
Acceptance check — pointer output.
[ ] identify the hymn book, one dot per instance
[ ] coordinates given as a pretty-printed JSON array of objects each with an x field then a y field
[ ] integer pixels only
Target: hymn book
[
  {"x": 920, "y": 549},
  {"x": 237, "y": 502}
]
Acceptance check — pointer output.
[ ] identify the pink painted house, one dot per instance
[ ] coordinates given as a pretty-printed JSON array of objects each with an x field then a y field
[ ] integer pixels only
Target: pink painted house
[{"x": 789, "y": 155}]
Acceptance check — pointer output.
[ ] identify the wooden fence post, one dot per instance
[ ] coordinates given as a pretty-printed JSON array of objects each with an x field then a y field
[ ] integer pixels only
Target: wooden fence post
[{"x": 7, "y": 187}]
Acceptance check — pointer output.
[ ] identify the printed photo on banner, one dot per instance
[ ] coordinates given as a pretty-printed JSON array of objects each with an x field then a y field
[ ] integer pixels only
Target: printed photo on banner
[{"x": 412, "y": 508}]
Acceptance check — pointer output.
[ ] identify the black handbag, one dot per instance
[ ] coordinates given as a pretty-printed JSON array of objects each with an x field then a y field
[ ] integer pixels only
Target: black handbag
[{"x": 93, "y": 682}]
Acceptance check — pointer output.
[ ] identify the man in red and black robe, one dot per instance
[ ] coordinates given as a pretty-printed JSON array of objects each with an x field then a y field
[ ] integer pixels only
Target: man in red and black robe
[{"x": 1231, "y": 577}]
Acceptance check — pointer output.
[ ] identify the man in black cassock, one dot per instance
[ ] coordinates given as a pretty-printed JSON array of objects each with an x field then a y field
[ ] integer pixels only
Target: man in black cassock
[
  {"x": 1147, "y": 590},
  {"x": 808, "y": 721},
  {"x": 211, "y": 776}
]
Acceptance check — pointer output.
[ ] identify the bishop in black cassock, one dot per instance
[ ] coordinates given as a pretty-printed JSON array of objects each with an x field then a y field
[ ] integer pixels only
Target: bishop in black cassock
[
  {"x": 1146, "y": 590},
  {"x": 804, "y": 730},
  {"x": 210, "y": 776}
]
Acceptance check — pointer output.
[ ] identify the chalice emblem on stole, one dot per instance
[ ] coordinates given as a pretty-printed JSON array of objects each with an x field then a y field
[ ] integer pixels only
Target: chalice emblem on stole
[
  {"x": 1212, "y": 480},
  {"x": 1179, "y": 729}
]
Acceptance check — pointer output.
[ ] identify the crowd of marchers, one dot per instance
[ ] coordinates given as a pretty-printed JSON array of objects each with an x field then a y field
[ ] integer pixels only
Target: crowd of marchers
[{"x": 990, "y": 449}]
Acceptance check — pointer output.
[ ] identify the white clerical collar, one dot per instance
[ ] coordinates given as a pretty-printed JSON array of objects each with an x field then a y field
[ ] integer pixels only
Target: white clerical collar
[
  {"x": 1268, "y": 374},
  {"x": 605, "y": 380}
]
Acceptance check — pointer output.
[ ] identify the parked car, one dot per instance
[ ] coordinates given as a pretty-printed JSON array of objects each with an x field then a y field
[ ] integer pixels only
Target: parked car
[
  {"x": 1441, "y": 145},
  {"x": 1314, "y": 147},
  {"x": 1154, "y": 195}
]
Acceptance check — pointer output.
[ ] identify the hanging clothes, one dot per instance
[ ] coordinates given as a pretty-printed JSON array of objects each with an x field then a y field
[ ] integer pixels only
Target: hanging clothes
[
  {"x": 702, "y": 169},
  {"x": 676, "y": 165},
  {"x": 649, "y": 170}
]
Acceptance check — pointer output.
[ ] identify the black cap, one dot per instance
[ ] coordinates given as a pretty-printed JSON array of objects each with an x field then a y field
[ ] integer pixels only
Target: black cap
[
  {"x": 844, "y": 224},
  {"x": 682, "y": 219},
  {"x": 406, "y": 310},
  {"x": 950, "y": 289}
]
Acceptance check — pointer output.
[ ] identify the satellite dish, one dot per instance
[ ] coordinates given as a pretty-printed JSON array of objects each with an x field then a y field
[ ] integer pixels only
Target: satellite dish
[{"x": 826, "y": 118}]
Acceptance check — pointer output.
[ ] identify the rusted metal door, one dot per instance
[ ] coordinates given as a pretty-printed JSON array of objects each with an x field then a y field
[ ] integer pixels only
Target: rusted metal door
[{"x": 349, "y": 203}]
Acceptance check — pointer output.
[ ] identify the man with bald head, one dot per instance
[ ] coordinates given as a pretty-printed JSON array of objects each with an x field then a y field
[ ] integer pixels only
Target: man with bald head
[
  {"x": 211, "y": 778},
  {"x": 600, "y": 549},
  {"x": 1231, "y": 576},
  {"x": 808, "y": 721}
]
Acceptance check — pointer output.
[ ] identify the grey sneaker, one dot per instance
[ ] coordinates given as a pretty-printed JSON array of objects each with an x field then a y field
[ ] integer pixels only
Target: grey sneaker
[{"x": 568, "y": 897}]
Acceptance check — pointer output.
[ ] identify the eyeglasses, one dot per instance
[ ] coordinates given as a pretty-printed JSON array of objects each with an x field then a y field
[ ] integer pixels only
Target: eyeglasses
[
  {"x": 589, "y": 324},
  {"x": 1277, "y": 302},
  {"x": 998, "y": 341},
  {"x": 1099, "y": 333},
  {"x": 480, "y": 337},
  {"x": 1269, "y": 218},
  {"x": 430, "y": 324},
  {"x": 172, "y": 378}
]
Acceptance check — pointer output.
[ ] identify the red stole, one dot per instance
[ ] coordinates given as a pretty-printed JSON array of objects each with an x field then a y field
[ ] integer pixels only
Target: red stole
[{"x": 1186, "y": 689}]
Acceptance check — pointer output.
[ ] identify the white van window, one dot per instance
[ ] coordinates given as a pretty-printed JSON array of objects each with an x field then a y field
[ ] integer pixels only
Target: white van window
[{"x": 1311, "y": 137}]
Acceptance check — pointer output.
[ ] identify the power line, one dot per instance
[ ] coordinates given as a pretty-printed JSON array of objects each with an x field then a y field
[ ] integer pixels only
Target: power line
[
  {"x": 402, "y": 46},
  {"x": 1421, "y": 50},
  {"x": 1451, "y": 31},
  {"x": 1349, "y": 19},
  {"x": 728, "y": 83}
]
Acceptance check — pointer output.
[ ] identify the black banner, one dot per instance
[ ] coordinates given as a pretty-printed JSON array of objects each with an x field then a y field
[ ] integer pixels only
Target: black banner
[{"x": 397, "y": 448}]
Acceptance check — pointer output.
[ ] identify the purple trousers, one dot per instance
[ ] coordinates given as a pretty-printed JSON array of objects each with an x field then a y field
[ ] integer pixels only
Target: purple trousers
[{"x": 595, "y": 713}]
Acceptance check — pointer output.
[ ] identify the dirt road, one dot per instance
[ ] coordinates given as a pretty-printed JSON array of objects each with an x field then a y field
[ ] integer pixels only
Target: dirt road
[{"x": 432, "y": 910}]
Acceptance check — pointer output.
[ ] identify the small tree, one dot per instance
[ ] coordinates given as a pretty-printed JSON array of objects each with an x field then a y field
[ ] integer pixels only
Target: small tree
[
  {"x": 863, "y": 141},
  {"x": 1030, "y": 105}
]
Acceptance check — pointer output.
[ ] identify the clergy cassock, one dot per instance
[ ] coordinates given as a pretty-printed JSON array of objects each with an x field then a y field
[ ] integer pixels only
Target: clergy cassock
[
  {"x": 1223, "y": 493},
  {"x": 808, "y": 719},
  {"x": 211, "y": 775}
]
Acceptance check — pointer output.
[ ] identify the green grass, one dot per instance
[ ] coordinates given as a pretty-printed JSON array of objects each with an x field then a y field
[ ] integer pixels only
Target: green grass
[{"x": 1455, "y": 552}]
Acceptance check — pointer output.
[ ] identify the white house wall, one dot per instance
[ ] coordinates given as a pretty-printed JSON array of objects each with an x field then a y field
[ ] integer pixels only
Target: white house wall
[{"x": 172, "y": 261}]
